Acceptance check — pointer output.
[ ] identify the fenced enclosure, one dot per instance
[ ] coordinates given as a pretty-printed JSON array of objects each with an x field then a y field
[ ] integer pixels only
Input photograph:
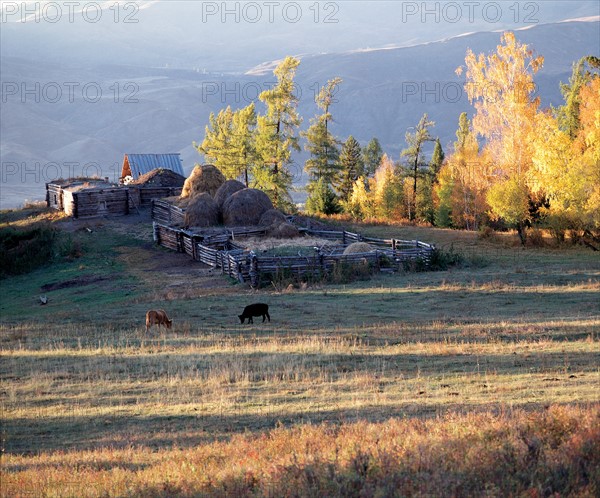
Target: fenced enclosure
[{"x": 223, "y": 250}]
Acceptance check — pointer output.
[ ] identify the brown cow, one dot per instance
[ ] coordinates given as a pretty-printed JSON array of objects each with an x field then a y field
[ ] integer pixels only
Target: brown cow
[{"x": 157, "y": 317}]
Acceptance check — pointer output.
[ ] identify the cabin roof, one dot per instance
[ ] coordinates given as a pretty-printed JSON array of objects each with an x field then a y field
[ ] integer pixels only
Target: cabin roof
[
  {"x": 77, "y": 184},
  {"x": 136, "y": 165}
]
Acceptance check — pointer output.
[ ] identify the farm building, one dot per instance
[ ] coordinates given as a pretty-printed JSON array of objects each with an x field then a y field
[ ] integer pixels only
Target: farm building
[
  {"x": 87, "y": 197},
  {"x": 135, "y": 165}
]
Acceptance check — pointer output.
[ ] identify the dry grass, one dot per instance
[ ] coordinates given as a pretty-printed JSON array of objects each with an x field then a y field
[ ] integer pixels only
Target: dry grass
[
  {"x": 480, "y": 381},
  {"x": 513, "y": 452}
]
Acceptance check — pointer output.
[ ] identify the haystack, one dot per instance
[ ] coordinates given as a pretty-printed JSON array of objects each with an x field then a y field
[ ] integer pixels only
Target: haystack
[
  {"x": 202, "y": 211},
  {"x": 358, "y": 247},
  {"x": 206, "y": 178},
  {"x": 160, "y": 177},
  {"x": 245, "y": 207},
  {"x": 272, "y": 217},
  {"x": 175, "y": 200},
  {"x": 284, "y": 231},
  {"x": 226, "y": 190}
]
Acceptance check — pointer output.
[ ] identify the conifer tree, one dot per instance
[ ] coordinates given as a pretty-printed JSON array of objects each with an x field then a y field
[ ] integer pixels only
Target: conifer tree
[
  {"x": 372, "y": 155},
  {"x": 322, "y": 166},
  {"x": 217, "y": 146},
  {"x": 415, "y": 157},
  {"x": 568, "y": 114},
  {"x": 277, "y": 135},
  {"x": 351, "y": 167}
]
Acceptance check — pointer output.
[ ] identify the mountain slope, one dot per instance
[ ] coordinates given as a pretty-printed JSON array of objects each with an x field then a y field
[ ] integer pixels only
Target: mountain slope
[{"x": 145, "y": 109}]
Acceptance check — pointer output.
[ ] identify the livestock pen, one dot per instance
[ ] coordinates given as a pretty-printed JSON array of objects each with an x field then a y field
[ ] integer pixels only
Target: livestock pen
[{"x": 222, "y": 249}]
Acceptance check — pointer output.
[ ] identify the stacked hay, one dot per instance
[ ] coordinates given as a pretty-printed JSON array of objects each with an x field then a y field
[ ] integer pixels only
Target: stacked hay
[
  {"x": 245, "y": 207},
  {"x": 206, "y": 178},
  {"x": 358, "y": 247},
  {"x": 175, "y": 200},
  {"x": 272, "y": 217},
  {"x": 284, "y": 231},
  {"x": 160, "y": 178},
  {"x": 226, "y": 190},
  {"x": 201, "y": 211}
]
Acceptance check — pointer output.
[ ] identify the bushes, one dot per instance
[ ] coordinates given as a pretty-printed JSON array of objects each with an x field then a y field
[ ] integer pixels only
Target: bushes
[{"x": 24, "y": 249}]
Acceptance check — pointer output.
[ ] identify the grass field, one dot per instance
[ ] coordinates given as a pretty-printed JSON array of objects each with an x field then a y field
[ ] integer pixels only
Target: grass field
[{"x": 479, "y": 380}]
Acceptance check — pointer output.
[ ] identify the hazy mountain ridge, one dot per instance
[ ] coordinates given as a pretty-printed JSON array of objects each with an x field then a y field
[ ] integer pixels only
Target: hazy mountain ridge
[{"x": 384, "y": 92}]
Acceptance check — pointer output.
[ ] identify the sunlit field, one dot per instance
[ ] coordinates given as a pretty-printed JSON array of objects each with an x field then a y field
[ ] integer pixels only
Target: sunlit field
[{"x": 478, "y": 380}]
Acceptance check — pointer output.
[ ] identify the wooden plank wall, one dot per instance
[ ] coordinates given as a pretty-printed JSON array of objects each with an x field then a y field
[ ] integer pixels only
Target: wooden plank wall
[{"x": 222, "y": 251}]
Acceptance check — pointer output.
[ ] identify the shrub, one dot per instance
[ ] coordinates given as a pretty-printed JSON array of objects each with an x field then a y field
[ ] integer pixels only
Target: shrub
[
  {"x": 442, "y": 259},
  {"x": 23, "y": 250}
]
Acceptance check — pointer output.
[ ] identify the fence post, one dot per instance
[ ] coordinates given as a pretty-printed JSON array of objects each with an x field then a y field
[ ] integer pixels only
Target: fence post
[{"x": 254, "y": 275}]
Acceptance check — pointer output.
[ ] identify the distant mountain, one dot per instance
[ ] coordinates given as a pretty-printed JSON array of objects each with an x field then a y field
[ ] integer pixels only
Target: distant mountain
[{"x": 83, "y": 117}]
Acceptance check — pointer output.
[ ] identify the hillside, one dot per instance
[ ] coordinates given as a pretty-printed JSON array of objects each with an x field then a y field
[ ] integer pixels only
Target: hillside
[{"x": 87, "y": 129}]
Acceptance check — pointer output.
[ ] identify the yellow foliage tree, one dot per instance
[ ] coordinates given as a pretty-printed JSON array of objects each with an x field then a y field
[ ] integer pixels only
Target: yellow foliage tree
[
  {"x": 464, "y": 179},
  {"x": 501, "y": 88},
  {"x": 567, "y": 173},
  {"x": 359, "y": 204},
  {"x": 386, "y": 189}
]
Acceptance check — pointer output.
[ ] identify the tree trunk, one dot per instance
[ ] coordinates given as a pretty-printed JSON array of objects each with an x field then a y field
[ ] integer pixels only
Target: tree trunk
[{"x": 521, "y": 230}]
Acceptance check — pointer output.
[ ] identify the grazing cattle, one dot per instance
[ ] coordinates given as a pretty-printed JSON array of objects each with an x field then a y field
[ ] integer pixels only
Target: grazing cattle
[
  {"x": 256, "y": 309},
  {"x": 157, "y": 317}
]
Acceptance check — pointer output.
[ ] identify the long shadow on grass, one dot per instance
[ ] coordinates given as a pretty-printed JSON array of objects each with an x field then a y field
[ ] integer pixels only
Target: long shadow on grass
[
  {"x": 260, "y": 366},
  {"x": 33, "y": 435}
]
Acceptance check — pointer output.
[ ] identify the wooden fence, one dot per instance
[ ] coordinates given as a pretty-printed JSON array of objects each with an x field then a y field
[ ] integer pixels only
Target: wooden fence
[{"x": 220, "y": 250}]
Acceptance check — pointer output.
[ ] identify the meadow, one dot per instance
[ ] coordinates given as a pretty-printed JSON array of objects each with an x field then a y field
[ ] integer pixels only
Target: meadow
[{"x": 478, "y": 380}]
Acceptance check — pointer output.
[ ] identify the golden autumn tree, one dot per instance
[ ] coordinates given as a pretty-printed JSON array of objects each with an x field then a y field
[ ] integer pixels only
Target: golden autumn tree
[
  {"x": 567, "y": 172},
  {"x": 463, "y": 181},
  {"x": 587, "y": 145},
  {"x": 386, "y": 189},
  {"x": 501, "y": 87}
]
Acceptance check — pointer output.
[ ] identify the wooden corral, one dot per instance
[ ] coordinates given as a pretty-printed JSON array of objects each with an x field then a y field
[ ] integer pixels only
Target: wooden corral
[{"x": 222, "y": 250}]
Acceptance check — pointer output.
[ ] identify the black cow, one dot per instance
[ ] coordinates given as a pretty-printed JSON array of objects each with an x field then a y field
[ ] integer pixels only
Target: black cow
[{"x": 256, "y": 309}]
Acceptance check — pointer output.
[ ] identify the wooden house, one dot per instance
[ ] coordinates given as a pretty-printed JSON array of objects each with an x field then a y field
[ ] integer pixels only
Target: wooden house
[
  {"x": 135, "y": 165},
  {"x": 86, "y": 198}
]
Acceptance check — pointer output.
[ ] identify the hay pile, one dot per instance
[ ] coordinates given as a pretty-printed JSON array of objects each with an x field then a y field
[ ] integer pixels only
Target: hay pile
[
  {"x": 245, "y": 207},
  {"x": 358, "y": 247},
  {"x": 272, "y": 217},
  {"x": 160, "y": 178},
  {"x": 201, "y": 211},
  {"x": 284, "y": 231},
  {"x": 226, "y": 190},
  {"x": 206, "y": 178}
]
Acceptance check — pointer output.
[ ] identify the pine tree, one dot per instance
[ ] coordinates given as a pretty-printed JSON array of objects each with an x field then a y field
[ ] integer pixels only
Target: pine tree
[
  {"x": 372, "y": 155},
  {"x": 217, "y": 146},
  {"x": 322, "y": 199},
  {"x": 322, "y": 166},
  {"x": 244, "y": 141},
  {"x": 351, "y": 168},
  {"x": 568, "y": 114},
  {"x": 276, "y": 135},
  {"x": 415, "y": 156},
  {"x": 425, "y": 204}
]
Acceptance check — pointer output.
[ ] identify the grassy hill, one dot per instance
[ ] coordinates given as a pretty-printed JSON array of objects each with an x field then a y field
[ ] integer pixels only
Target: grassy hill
[{"x": 479, "y": 380}]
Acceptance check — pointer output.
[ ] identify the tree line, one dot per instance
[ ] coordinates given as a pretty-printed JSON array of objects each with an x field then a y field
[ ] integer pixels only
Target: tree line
[{"x": 513, "y": 165}]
